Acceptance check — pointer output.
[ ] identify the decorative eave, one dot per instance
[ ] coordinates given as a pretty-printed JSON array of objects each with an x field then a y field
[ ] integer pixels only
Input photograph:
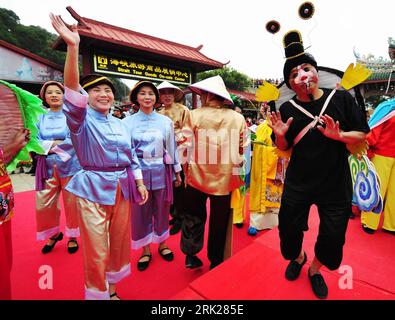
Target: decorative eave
[
  {"x": 383, "y": 70},
  {"x": 31, "y": 55},
  {"x": 103, "y": 35}
]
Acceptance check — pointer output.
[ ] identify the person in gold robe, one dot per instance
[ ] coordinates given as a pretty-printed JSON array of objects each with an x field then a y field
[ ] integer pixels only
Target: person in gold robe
[
  {"x": 214, "y": 162},
  {"x": 170, "y": 97}
]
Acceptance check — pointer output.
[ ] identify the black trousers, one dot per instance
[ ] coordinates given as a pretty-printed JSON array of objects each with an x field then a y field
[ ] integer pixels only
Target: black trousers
[
  {"x": 177, "y": 209},
  {"x": 192, "y": 236},
  {"x": 293, "y": 221}
]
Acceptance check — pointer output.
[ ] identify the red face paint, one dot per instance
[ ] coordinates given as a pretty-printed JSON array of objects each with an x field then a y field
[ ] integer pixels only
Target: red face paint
[{"x": 303, "y": 79}]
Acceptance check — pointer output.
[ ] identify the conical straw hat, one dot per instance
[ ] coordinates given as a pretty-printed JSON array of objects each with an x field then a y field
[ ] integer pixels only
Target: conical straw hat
[
  {"x": 214, "y": 85},
  {"x": 178, "y": 93}
]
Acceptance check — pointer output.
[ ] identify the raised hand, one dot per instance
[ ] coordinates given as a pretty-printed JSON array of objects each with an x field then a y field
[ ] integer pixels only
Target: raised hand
[
  {"x": 332, "y": 129},
  {"x": 71, "y": 37},
  {"x": 277, "y": 125}
]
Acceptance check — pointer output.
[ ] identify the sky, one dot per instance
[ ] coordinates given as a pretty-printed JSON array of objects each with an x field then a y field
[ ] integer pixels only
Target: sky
[{"x": 234, "y": 30}]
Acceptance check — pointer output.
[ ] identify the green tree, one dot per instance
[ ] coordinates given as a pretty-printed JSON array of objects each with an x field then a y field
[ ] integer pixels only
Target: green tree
[
  {"x": 233, "y": 79},
  {"x": 122, "y": 90},
  {"x": 31, "y": 38},
  {"x": 8, "y": 23}
]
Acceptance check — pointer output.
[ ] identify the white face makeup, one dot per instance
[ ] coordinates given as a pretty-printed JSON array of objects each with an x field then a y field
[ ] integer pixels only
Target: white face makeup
[{"x": 303, "y": 79}]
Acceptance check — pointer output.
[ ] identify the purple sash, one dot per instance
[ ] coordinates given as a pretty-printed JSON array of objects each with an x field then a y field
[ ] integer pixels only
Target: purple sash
[
  {"x": 135, "y": 196},
  {"x": 104, "y": 169},
  {"x": 41, "y": 172}
]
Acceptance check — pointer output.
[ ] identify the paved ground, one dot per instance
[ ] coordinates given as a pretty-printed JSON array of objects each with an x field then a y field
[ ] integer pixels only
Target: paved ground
[{"x": 22, "y": 181}]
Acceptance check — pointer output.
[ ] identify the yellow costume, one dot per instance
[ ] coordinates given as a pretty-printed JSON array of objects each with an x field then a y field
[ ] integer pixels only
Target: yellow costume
[
  {"x": 238, "y": 201},
  {"x": 267, "y": 180},
  {"x": 179, "y": 114}
]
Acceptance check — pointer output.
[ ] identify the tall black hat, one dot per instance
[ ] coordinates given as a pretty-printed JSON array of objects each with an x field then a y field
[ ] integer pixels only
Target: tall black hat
[{"x": 295, "y": 54}]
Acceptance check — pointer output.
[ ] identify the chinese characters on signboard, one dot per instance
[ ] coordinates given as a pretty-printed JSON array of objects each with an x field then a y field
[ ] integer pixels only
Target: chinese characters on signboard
[{"x": 132, "y": 68}]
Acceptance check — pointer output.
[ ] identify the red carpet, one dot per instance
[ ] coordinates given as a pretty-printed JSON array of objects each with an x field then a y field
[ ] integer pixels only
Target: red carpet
[
  {"x": 257, "y": 272},
  {"x": 254, "y": 272},
  {"x": 161, "y": 280},
  {"x": 372, "y": 257}
]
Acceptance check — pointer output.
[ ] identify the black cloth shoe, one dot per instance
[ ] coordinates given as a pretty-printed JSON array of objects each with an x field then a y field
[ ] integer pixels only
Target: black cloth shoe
[
  {"x": 48, "y": 248},
  {"x": 367, "y": 229},
  {"x": 175, "y": 228},
  {"x": 318, "y": 285},
  {"x": 293, "y": 269},
  {"x": 192, "y": 262},
  {"x": 167, "y": 256},
  {"x": 72, "y": 249},
  {"x": 142, "y": 265}
]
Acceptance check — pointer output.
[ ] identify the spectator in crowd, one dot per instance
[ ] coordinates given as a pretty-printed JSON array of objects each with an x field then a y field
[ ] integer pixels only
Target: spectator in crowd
[
  {"x": 118, "y": 113},
  {"x": 170, "y": 95},
  {"x": 152, "y": 135},
  {"x": 55, "y": 169}
]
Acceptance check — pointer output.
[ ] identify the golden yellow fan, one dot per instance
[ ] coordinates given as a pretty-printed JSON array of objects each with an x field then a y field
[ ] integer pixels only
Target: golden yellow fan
[
  {"x": 354, "y": 75},
  {"x": 267, "y": 92}
]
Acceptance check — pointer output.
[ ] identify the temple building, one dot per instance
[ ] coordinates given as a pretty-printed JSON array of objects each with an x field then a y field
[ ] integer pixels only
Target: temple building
[
  {"x": 382, "y": 80},
  {"x": 25, "y": 69}
]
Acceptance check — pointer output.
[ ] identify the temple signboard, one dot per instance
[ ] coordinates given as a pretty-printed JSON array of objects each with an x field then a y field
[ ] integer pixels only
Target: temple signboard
[{"x": 125, "y": 67}]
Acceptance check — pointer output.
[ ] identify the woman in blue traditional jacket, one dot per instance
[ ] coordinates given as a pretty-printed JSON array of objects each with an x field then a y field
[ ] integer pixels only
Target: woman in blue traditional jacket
[
  {"x": 153, "y": 138},
  {"x": 55, "y": 169},
  {"x": 110, "y": 174}
]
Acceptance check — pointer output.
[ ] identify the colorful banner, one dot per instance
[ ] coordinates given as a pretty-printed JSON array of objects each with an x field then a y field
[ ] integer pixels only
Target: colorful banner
[{"x": 136, "y": 69}]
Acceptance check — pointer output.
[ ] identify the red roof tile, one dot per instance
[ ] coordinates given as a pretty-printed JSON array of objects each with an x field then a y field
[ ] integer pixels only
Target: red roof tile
[
  {"x": 108, "y": 33},
  {"x": 243, "y": 95},
  {"x": 30, "y": 55}
]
